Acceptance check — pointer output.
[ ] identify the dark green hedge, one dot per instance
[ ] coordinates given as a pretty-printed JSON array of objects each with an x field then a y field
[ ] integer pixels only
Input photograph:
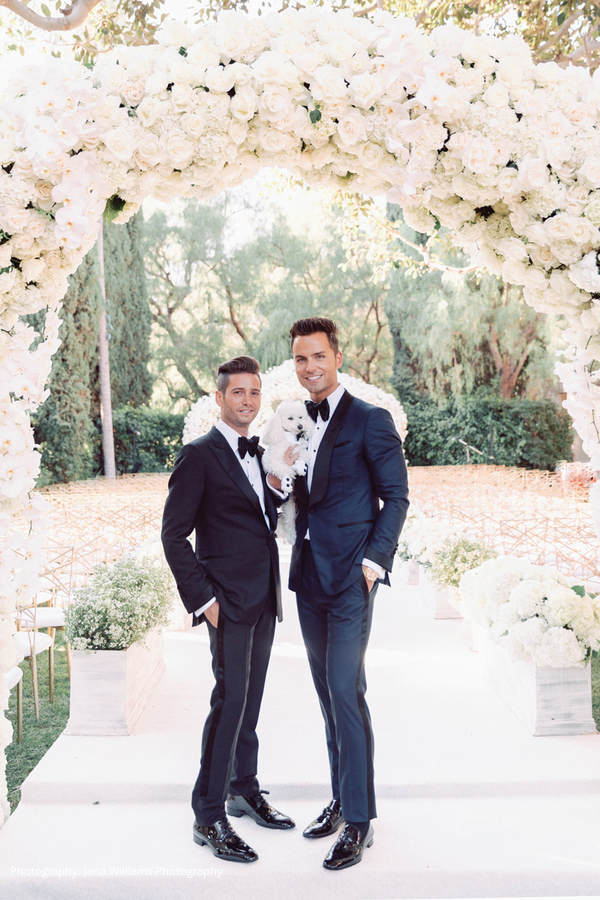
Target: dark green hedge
[
  {"x": 528, "y": 433},
  {"x": 157, "y": 440}
]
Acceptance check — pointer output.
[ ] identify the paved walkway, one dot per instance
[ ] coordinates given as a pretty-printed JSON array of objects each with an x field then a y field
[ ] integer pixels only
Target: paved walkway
[{"x": 470, "y": 805}]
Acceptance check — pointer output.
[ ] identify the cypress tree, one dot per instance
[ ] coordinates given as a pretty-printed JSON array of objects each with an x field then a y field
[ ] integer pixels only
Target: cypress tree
[
  {"x": 129, "y": 318},
  {"x": 63, "y": 425}
]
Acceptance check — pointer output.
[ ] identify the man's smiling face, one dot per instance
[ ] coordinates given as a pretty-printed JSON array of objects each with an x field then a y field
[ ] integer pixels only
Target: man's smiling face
[
  {"x": 316, "y": 364},
  {"x": 240, "y": 401}
]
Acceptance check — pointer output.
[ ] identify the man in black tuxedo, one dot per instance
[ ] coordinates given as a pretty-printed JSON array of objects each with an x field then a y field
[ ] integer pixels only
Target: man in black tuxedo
[
  {"x": 218, "y": 490},
  {"x": 351, "y": 507}
]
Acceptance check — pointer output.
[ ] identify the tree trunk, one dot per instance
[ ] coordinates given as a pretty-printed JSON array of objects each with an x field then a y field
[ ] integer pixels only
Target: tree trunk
[{"x": 108, "y": 440}]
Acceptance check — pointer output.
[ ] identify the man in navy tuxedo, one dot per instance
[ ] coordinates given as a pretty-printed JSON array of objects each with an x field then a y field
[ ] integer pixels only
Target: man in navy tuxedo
[
  {"x": 218, "y": 490},
  {"x": 352, "y": 504}
]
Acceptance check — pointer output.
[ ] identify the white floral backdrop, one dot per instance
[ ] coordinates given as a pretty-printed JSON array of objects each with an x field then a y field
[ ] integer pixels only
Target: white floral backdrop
[
  {"x": 280, "y": 383},
  {"x": 460, "y": 129}
]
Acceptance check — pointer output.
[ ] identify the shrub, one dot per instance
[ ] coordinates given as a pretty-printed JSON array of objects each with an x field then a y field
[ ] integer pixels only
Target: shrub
[
  {"x": 532, "y": 434},
  {"x": 157, "y": 437},
  {"x": 457, "y": 557},
  {"x": 119, "y": 605}
]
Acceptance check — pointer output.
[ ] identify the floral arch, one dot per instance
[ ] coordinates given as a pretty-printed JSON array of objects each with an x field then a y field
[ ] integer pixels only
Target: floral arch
[{"x": 462, "y": 131}]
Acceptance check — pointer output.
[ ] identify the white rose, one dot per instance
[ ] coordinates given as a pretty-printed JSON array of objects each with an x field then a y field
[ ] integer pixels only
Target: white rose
[
  {"x": 558, "y": 228},
  {"x": 183, "y": 97},
  {"x": 133, "y": 92},
  {"x": 514, "y": 272},
  {"x": 32, "y": 269},
  {"x": 272, "y": 141},
  {"x": 335, "y": 108},
  {"x": 22, "y": 244},
  {"x": 149, "y": 152},
  {"x": 580, "y": 114},
  {"x": 589, "y": 172},
  {"x": 310, "y": 59},
  {"x": 203, "y": 54},
  {"x": 365, "y": 90},
  {"x": 36, "y": 226},
  {"x": 471, "y": 80},
  {"x": 219, "y": 79},
  {"x": 582, "y": 230},
  {"x": 275, "y": 103},
  {"x": 546, "y": 74},
  {"x": 535, "y": 280},
  {"x": 352, "y": 127},
  {"x": 5, "y": 254},
  {"x": 7, "y": 281},
  {"x": 512, "y": 248},
  {"x": 243, "y": 104},
  {"x": 557, "y": 124},
  {"x": 231, "y": 43},
  {"x": 53, "y": 259},
  {"x": 113, "y": 78},
  {"x": 241, "y": 74},
  {"x": 181, "y": 72},
  {"x": 179, "y": 150},
  {"x": 173, "y": 34},
  {"x": 328, "y": 83},
  {"x": 360, "y": 62},
  {"x": 369, "y": 154},
  {"x": 149, "y": 111},
  {"x": 43, "y": 189},
  {"x": 341, "y": 49},
  {"x": 510, "y": 70},
  {"x": 478, "y": 155},
  {"x": 14, "y": 219},
  {"x": 533, "y": 173},
  {"x": 120, "y": 143},
  {"x": 109, "y": 113},
  {"x": 193, "y": 124},
  {"x": 238, "y": 131},
  {"x": 322, "y": 156},
  {"x": 157, "y": 82},
  {"x": 542, "y": 257},
  {"x": 496, "y": 96},
  {"x": 507, "y": 182}
]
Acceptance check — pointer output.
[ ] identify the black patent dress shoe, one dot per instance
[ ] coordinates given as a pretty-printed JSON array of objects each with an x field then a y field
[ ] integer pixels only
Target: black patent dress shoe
[
  {"x": 224, "y": 842},
  {"x": 348, "y": 849},
  {"x": 255, "y": 806},
  {"x": 327, "y": 823}
]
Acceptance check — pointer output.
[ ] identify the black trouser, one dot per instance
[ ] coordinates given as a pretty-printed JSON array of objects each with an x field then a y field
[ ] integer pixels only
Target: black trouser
[
  {"x": 336, "y": 632},
  {"x": 240, "y": 657}
]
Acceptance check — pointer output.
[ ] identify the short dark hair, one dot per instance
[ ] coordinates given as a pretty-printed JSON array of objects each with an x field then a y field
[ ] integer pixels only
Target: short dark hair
[
  {"x": 236, "y": 366},
  {"x": 304, "y": 327}
]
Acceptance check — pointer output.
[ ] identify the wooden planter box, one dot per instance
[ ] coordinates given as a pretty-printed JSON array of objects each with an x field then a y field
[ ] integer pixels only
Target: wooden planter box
[
  {"x": 545, "y": 699},
  {"x": 409, "y": 572},
  {"x": 442, "y": 602},
  {"x": 110, "y": 688}
]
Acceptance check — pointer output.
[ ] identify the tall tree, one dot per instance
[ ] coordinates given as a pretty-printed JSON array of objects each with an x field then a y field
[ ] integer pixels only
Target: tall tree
[
  {"x": 63, "y": 425},
  {"x": 128, "y": 313}
]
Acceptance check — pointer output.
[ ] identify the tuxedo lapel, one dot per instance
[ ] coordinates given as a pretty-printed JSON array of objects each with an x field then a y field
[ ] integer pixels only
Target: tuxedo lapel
[
  {"x": 320, "y": 477},
  {"x": 230, "y": 464},
  {"x": 269, "y": 501}
]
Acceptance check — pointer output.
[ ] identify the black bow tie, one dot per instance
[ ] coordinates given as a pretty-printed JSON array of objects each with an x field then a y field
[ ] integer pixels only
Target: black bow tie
[
  {"x": 313, "y": 409},
  {"x": 247, "y": 445}
]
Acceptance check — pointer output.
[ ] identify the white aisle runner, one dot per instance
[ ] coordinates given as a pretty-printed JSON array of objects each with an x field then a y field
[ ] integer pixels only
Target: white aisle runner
[{"x": 470, "y": 805}]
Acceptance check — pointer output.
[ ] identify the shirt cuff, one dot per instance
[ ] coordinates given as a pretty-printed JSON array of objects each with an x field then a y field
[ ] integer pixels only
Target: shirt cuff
[
  {"x": 280, "y": 494},
  {"x": 375, "y": 566},
  {"x": 202, "y": 609}
]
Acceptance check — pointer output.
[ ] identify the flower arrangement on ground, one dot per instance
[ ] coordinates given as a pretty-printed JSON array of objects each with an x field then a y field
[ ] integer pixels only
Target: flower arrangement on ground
[
  {"x": 120, "y": 604},
  {"x": 535, "y": 612},
  {"x": 423, "y": 537},
  {"x": 456, "y": 556}
]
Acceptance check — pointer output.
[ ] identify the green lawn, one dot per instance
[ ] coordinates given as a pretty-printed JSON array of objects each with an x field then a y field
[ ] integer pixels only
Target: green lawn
[{"x": 38, "y": 736}]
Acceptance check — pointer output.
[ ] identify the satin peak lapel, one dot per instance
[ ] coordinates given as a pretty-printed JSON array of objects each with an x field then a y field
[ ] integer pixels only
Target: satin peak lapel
[
  {"x": 230, "y": 463},
  {"x": 320, "y": 478}
]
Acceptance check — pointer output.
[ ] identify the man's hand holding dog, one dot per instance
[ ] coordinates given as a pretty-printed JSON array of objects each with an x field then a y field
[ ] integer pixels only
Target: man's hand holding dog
[{"x": 289, "y": 457}]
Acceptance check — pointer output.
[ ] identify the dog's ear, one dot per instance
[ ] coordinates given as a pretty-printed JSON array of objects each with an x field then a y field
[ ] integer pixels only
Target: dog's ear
[{"x": 272, "y": 429}]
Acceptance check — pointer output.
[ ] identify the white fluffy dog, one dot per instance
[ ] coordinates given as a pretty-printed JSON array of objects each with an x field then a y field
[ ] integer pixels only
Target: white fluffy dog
[{"x": 290, "y": 426}]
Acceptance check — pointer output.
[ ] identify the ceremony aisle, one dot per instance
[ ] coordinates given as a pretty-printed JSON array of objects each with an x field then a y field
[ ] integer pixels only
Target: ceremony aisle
[{"x": 470, "y": 804}]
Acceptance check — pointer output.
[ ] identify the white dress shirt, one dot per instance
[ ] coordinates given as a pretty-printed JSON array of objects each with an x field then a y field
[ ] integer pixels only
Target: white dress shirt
[
  {"x": 251, "y": 468},
  {"x": 313, "y": 446}
]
